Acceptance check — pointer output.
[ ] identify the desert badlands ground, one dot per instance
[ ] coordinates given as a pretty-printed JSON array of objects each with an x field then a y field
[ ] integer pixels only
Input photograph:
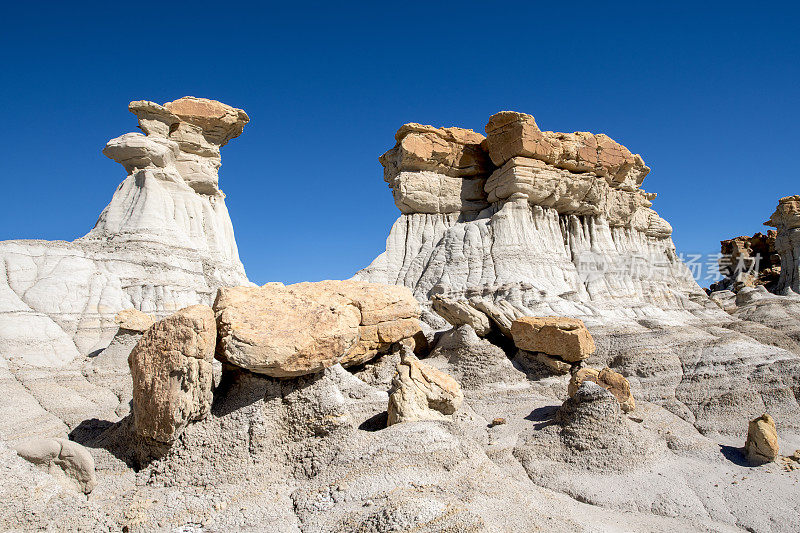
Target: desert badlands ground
[{"x": 528, "y": 354}]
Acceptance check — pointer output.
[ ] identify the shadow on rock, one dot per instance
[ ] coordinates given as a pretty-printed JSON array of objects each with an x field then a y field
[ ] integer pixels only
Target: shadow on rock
[
  {"x": 375, "y": 423},
  {"x": 734, "y": 455},
  {"x": 544, "y": 415},
  {"x": 120, "y": 440}
]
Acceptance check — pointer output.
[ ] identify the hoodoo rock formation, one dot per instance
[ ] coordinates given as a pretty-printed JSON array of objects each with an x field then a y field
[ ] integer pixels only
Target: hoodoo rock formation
[
  {"x": 787, "y": 243},
  {"x": 164, "y": 242},
  {"x": 525, "y": 222},
  {"x": 550, "y": 224},
  {"x": 748, "y": 262}
]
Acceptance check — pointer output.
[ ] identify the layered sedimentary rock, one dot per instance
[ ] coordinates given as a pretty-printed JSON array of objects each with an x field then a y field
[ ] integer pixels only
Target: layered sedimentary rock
[
  {"x": 748, "y": 261},
  {"x": 460, "y": 312},
  {"x": 512, "y": 134},
  {"x": 786, "y": 219},
  {"x": 495, "y": 446},
  {"x": 433, "y": 170},
  {"x": 164, "y": 242},
  {"x": 285, "y": 331},
  {"x": 559, "y": 223},
  {"x": 568, "y": 231}
]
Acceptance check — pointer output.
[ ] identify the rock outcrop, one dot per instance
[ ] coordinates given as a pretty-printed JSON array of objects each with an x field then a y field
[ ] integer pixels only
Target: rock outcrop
[
  {"x": 613, "y": 382},
  {"x": 460, "y": 312},
  {"x": 172, "y": 373},
  {"x": 544, "y": 224},
  {"x": 422, "y": 392},
  {"x": 134, "y": 320},
  {"x": 67, "y": 460},
  {"x": 748, "y": 262},
  {"x": 512, "y": 134},
  {"x": 296, "y": 441},
  {"x": 563, "y": 337},
  {"x": 474, "y": 361},
  {"x": 432, "y": 170},
  {"x": 590, "y": 431},
  {"x": 786, "y": 219},
  {"x": 761, "y": 445},
  {"x": 164, "y": 242},
  {"x": 568, "y": 231},
  {"x": 285, "y": 331}
]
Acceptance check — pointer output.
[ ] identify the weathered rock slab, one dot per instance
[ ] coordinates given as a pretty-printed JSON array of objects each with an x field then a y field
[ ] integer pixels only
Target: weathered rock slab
[
  {"x": 422, "y": 392},
  {"x": 172, "y": 373},
  {"x": 564, "y": 337},
  {"x": 286, "y": 331},
  {"x": 460, "y": 312},
  {"x": 134, "y": 320}
]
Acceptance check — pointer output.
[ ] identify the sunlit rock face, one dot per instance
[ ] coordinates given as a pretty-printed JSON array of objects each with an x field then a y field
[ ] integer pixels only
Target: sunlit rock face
[
  {"x": 787, "y": 244},
  {"x": 535, "y": 222},
  {"x": 164, "y": 242},
  {"x": 562, "y": 227}
]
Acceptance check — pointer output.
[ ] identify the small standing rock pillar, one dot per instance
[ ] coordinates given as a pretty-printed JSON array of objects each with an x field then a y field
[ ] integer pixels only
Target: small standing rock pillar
[
  {"x": 421, "y": 392},
  {"x": 762, "y": 441}
]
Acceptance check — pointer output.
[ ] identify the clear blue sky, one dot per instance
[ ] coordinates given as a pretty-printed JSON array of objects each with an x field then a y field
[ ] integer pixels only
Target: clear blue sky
[{"x": 707, "y": 92}]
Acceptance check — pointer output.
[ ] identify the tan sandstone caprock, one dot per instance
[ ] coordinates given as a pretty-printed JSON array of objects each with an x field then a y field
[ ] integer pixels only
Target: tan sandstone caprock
[
  {"x": 761, "y": 445},
  {"x": 182, "y": 118},
  {"x": 613, "y": 382},
  {"x": 787, "y": 213},
  {"x": 437, "y": 170},
  {"x": 172, "y": 373},
  {"x": 450, "y": 151},
  {"x": 285, "y": 331},
  {"x": 134, "y": 320},
  {"x": 421, "y": 392},
  {"x": 511, "y": 134},
  {"x": 564, "y": 337},
  {"x": 219, "y": 122}
]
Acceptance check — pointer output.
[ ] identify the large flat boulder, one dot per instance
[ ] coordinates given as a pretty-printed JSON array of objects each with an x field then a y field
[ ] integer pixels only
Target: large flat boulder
[{"x": 286, "y": 331}]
